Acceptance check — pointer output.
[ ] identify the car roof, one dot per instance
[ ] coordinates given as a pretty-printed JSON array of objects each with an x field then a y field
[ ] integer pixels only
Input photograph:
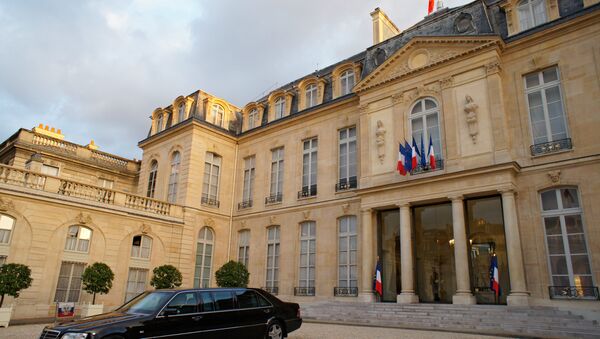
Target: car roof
[{"x": 206, "y": 289}]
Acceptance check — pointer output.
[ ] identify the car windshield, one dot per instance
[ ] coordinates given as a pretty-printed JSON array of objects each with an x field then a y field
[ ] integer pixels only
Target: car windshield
[{"x": 146, "y": 303}]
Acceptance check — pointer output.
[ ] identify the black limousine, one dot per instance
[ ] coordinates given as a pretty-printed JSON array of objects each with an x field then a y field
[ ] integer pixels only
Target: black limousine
[{"x": 190, "y": 313}]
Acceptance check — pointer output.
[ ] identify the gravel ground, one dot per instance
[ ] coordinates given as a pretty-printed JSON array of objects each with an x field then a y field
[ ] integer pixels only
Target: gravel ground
[{"x": 307, "y": 331}]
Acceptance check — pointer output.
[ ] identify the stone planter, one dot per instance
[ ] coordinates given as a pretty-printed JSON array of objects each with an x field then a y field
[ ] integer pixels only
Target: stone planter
[
  {"x": 88, "y": 310},
  {"x": 5, "y": 314}
]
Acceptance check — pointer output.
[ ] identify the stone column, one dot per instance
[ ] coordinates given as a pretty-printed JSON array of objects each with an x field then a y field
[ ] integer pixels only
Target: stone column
[
  {"x": 368, "y": 270},
  {"x": 461, "y": 259},
  {"x": 407, "y": 296},
  {"x": 519, "y": 296}
]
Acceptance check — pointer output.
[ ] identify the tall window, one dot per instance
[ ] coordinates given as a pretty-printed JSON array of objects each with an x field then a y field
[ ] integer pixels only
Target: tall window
[
  {"x": 181, "y": 112},
  {"x": 347, "y": 251},
  {"x": 68, "y": 287},
  {"x": 152, "y": 179},
  {"x": 424, "y": 120},
  {"x": 309, "y": 167},
  {"x": 273, "y": 258},
  {"x": 531, "y": 13},
  {"x": 244, "y": 246},
  {"x": 248, "y": 180},
  {"x": 204, "y": 253},
  {"x": 566, "y": 243},
  {"x": 217, "y": 115},
  {"x": 347, "y": 80},
  {"x": 136, "y": 282},
  {"x": 174, "y": 177},
  {"x": 6, "y": 226},
  {"x": 545, "y": 106},
  {"x": 159, "y": 123},
  {"x": 78, "y": 239},
  {"x": 105, "y": 183},
  {"x": 141, "y": 247},
  {"x": 311, "y": 95},
  {"x": 347, "y": 158},
  {"x": 308, "y": 253},
  {"x": 210, "y": 189},
  {"x": 253, "y": 119},
  {"x": 277, "y": 173},
  {"x": 279, "y": 107}
]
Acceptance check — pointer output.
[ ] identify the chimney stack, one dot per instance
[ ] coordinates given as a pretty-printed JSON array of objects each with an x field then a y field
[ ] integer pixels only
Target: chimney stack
[{"x": 383, "y": 27}]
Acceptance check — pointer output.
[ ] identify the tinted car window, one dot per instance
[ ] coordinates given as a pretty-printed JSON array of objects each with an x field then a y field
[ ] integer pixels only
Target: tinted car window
[
  {"x": 262, "y": 302},
  {"x": 223, "y": 300},
  {"x": 146, "y": 303},
  {"x": 247, "y": 299},
  {"x": 184, "y": 303},
  {"x": 206, "y": 302}
]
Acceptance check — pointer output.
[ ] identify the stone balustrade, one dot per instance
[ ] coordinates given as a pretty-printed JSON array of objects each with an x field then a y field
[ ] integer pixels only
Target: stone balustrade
[
  {"x": 57, "y": 144},
  {"x": 17, "y": 177},
  {"x": 87, "y": 192},
  {"x": 107, "y": 158}
]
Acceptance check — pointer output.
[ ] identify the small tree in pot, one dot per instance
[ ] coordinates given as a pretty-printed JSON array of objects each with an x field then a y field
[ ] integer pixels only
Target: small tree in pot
[
  {"x": 97, "y": 278},
  {"x": 166, "y": 276},
  {"x": 13, "y": 279},
  {"x": 232, "y": 274}
]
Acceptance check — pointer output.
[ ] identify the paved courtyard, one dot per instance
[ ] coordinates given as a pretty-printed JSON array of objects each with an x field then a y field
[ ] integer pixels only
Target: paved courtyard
[{"x": 307, "y": 331}]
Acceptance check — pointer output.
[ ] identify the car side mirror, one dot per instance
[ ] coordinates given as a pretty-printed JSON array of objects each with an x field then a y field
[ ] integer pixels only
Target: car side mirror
[{"x": 169, "y": 311}]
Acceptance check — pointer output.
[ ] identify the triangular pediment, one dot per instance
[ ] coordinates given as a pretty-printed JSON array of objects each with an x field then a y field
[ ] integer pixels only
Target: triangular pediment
[{"x": 422, "y": 53}]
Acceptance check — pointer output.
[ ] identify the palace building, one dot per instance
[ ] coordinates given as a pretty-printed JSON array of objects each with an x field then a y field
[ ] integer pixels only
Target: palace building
[{"x": 302, "y": 185}]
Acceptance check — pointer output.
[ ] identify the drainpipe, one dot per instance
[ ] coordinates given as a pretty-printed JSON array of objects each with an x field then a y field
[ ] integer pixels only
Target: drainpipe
[{"x": 232, "y": 202}]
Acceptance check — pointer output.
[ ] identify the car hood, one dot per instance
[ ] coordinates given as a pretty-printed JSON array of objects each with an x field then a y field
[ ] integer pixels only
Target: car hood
[{"x": 91, "y": 323}]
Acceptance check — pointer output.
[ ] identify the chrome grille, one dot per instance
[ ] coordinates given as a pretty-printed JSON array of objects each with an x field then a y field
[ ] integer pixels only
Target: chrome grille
[{"x": 49, "y": 334}]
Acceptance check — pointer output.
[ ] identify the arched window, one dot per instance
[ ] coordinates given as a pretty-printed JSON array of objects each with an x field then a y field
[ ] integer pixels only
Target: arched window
[
  {"x": 217, "y": 115},
  {"x": 6, "y": 226},
  {"x": 308, "y": 253},
  {"x": 141, "y": 247},
  {"x": 425, "y": 123},
  {"x": 279, "y": 107},
  {"x": 311, "y": 95},
  {"x": 181, "y": 112},
  {"x": 204, "y": 253},
  {"x": 174, "y": 177},
  {"x": 531, "y": 13},
  {"x": 152, "y": 179},
  {"x": 244, "y": 246},
  {"x": 347, "y": 82},
  {"x": 253, "y": 118},
  {"x": 159, "y": 122},
  {"x": 272, "y": 280},
  {"x": 78, "y": 239},
  {"x": 347, "y": 253}
]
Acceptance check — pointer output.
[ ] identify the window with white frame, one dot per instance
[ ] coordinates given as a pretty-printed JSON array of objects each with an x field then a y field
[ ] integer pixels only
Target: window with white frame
[
  {"x": 308, "y": 253},
  {"x": 217, "y": 114},
  {"x": 174, "y": 177},
  {"x": 347, "y": 252},
  {"x": 152, "y": 179},
  {"x": 272, "y": 280},
  {"x": 141, "y": 247},
  {"x": 249, "y": 170},
  {"x": 253, "y": 119},
  {"x": 50, "y": 170},
  {"x": 244, "y": 246},
  {"x": 309, "y": 167},
  {"x": 204, "y": 254},
  {"x": 276, "y": 188},
  {"x": 279, "y": 107},
  {"x": 347, "y": 158},
  {"x": 546, "y": 113},
  {"x": 106, "y": 183},
  {"x": 347, "y": 81},
  {"x": 210, "y": 188},
  {"x": 568, "y": 255},
  {"x": 531, "y": 13},
  {"x": 425, "y": 123},
  {"x": 7, "y": 225},
  {"x": 181, "y": 112},
  {"x": 68, "y": 287},
  {"x": 136, "y": 282},
  {"x": 159, "y": 123},
  {"x": 311, "y": 95},
  {"x": 78, "y": 239}
]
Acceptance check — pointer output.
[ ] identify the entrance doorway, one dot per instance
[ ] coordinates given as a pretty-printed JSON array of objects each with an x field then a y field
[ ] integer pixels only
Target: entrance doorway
[{"x": 388, "y": 250}]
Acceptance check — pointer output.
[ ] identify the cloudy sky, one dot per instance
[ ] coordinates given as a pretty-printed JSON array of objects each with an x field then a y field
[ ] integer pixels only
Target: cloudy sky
[{"x": 97, "y": 69}]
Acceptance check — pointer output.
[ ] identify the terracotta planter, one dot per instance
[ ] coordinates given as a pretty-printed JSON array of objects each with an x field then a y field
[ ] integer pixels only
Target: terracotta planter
[
  {"x": 88, "y": 310},
  {"x": 5, "y": 314}
]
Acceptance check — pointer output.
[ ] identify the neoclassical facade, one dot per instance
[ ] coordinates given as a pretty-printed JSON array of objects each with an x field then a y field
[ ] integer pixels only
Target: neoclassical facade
[{"x": 302, "y": 185}]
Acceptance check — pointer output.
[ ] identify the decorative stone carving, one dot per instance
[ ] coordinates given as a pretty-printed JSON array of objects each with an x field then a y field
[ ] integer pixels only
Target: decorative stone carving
[
  {"x": 346, "y": 208},
  {"x": 464, "y": 23},
  {"x": 447, "y": 82},
  {"x": 363, "y": 108},
  {"x": 272, "y": 220},
  {"x": 209, "y": 222},
  {"x": 397, "y": 98},
  {"x": 6, "y": 205},
  {"x": 244, "y": 223},
  {"x": 306, "y": 215},
  {"x": 145, "y": 229},
  {"x": 83, "y": 219},
  {"x": 380, "y": 140},
  {"x": 471, "y": 111},
  {"x": 554, "y": 176},
  {"x": 492, "y": 67}
]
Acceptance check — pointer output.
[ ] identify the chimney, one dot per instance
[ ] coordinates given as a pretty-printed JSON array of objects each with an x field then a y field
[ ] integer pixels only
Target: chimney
[{"x": 383, "y": 27}]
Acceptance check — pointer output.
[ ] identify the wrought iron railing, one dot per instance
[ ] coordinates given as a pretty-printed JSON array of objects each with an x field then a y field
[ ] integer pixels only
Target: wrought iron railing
[
  {"x": 551, "y": 146},
  {"x": 574, "y": 292},
  {"x": 304, "y": 291},
  {"x": 210, "y": 202},
  {"x": 345, "y": 291},
  {"x": 439, "y": 165},
  {"x": 244, "y": 204},
  {"x": 307, "y": 191},
  {"x": 346, "y": 184},
  {"x": 272, "y": 289},
  {"x": 273, "y": 198}
]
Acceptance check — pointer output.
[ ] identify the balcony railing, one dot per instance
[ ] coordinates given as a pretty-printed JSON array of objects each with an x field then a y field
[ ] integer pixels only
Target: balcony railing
[
  {"x": 272, "y": 289},
  {"x": 210, "y": 202},
  {"x": 574, "y": 292},
  {"x": 345, "y": 291},
  {"x": 274, "y": 198},
  {"x": 439, "y": 165},
  {"x": 244, "y": 204},
  {"x": 551, "y": 147},
  {"x": 304, "y": 291},
  {"x": 307, "y": 191},
  {"x": 87, "y": 192},
  {"x": 346, "y": 184}
]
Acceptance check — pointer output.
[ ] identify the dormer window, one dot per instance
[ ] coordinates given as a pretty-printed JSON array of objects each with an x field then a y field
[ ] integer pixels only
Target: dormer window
[
  {"x": 217, "y": 114},
  {"x": 311, "y": 95},
  {"x": 347, "y": 82},
  {"x": 181, "y": 112},
  {"x": 159, "y": 123},
  {"x": 280, "y": 107},
  {"x": 532, "y": 13},
  {"x": 253, "y": 119}
]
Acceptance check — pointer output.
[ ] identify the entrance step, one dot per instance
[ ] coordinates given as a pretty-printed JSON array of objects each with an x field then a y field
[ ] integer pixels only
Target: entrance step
[{"x": 546, "y": 322}]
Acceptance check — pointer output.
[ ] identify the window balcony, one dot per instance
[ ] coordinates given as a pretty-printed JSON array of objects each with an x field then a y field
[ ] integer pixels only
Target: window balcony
[
  {"x": 273, "y": 289},
  {"x": 574, "y": 292},
  {"x": 274, "y": 199},
  {"x": 244, "y": 204},
  {"x": 307, "y": 191},
  {"x": 210, "y": 202},
  {"x": 551, "y": 147},
  {"x": 304, "y": 291},
  {"x": 345, "y": 291},
  {"x": 439, "y": 165},
  {"x": 346, "y": 184}
]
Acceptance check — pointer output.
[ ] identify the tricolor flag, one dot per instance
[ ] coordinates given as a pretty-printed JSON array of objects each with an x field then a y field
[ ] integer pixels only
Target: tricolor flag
[
  {"x": 494, "y": 279},
  {"x": 400, "y": 166},
  {"x": 407, "y": 157},
  {"x": 431, "y": 154},
  {"x": 378, "y": 283},
  {"x": 415, "y": 151},
  {"x": 423, "y": 155},
  {"x": 430, "y": 8}
]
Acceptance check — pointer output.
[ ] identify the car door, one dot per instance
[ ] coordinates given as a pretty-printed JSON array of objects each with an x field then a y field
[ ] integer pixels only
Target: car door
[
  {"x": 253, "y": 313},
  {"x": 178, "y": 318}
]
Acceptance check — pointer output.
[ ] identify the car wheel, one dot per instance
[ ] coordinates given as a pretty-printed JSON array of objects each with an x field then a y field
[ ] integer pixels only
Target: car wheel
[{"x": 274, "y": 331}]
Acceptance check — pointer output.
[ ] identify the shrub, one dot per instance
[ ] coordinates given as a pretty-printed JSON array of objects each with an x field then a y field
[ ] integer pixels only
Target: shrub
[
  {"x": 13, "y": 279},
  {"x": 97, "y": 278},
  {"x": 166, "y": 276},
  {"x": 232, "y": 274}
]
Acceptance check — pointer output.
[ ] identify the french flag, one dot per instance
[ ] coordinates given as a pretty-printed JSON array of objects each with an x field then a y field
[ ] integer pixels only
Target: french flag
[
  {"x": 378, "y": 283},
  {"x": 407, "y": 157},
  {"x": 400, "y": 166},
  {"x": 494, "y": 276},
  {"x": 430, "y": 8},
  {"x": 415, "y": 151},
  {"x": 431, "y": 154}
]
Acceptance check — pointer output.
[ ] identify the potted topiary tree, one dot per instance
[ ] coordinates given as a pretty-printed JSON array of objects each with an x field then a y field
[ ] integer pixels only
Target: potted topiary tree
[
  {"x": 166, "y": 276},
  {"x": 96, "y": 278},
  {"x": 13, "y": 279},
  {"x": 232, "y": 274}
]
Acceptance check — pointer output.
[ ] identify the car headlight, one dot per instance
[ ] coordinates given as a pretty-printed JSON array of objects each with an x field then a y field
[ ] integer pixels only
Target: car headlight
[{"x": 72, "y": 335}]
